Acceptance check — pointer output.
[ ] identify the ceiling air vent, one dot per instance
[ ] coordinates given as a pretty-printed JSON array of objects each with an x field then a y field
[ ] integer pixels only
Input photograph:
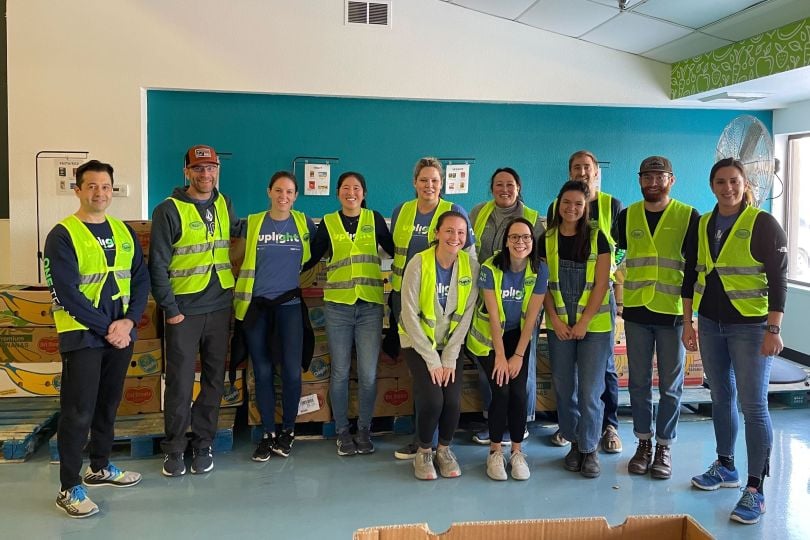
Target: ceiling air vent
[{"x": 369, "y": 13}]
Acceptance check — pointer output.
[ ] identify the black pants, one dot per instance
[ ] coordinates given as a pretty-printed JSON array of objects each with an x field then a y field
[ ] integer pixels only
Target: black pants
[
  {"x": 90, "y": 391},
  {"x": 434, "y": 404},
  {"x": 208, "y": 335},
  {"x": 508, "y": 405}
]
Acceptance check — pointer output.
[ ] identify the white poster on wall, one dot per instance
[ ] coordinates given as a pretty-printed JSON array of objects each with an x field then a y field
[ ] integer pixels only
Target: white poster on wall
[
  {"x": 65, "y": 173},
  {"x": 457, "y": 179},
  {"x": 316, "y": 178}
]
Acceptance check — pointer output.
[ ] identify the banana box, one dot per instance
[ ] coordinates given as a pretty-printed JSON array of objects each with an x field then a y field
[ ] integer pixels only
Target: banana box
[
  {"x": 147, "y": 358},
  {"x": 392, "y": 367},
  {"x": 394, "y": 397},
  {"x": 314, "y": 278},
  {"x": 143, "y": 230},
  {"x": 471, "y": 392},
  {"x": 232, "y": 397},
  {"x": 25, "y": 305},
  {"x": 27, "y": 344},
  {"x": 140, "y": 395},
  {"x": 30, "y": 379},
  {"x": 622, "y": 369},
  {"x": 149, "y": 324},
  {"x": 546, "y": 399},
  {"x": 692, "y": 370},
  {"x": 312, "y": 407},
  {"x": 619, "y": 338}
]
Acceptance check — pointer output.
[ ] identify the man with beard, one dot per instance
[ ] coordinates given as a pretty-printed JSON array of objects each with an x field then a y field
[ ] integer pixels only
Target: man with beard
[{"x": 653, "y": 232}]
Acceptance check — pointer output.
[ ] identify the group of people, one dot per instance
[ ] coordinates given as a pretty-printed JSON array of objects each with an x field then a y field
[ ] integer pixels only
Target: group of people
[{"x": 461, "y": 288}]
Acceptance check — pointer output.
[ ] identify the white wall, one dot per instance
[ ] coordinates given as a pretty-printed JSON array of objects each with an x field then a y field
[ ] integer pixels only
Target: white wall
[
  {"x": 793, "y": 119},
  {"x": 77, "y": 72},
  {"x": 5, "y": 251}
]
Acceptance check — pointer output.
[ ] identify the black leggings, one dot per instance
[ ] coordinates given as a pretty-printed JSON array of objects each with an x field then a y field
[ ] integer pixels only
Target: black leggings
[
  {"x": 435, "y": 405},
  {"x": 508, "y": 405}
]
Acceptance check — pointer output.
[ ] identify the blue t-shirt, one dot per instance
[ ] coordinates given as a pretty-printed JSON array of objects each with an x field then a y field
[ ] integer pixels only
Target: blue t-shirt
[
  {"x": 721, "y": 225},
  {"x": 278, "y": 258},
  {"x": 443, "y": 283},
  {"x": 419, "y": 239},
  {"x": 512, "y": 291}
]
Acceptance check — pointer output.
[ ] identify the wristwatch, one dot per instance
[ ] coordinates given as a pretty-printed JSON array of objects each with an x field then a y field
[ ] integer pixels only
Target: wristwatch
[{"x": 772, "y": 328}]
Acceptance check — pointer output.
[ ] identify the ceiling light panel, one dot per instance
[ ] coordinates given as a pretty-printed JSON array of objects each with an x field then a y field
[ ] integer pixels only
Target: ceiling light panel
[
  {"x": 568, "y": 17},
  {"x": 635, "y": 33}
]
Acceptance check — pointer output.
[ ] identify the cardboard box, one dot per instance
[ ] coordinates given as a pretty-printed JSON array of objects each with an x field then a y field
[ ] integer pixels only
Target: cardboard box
[
  {"x": 27, "y": 344},
  {"x": 667, "y": 527},
  {"x": 470, "y": 392},
  {"x": 320, "y": 369},
  {"x": 546, "y": 399},
  {"x": 140, "y": 395},
  {"x": 150, "y": 324},
  {"x": 692, "y": 370},
  {"x": 622, "y": 369},
  {"x": 316, "y": 314},
  {"x": 315, "y": 277},
  {"x": 392, "y": 367},
  {"x": 30, "y": 379},
  {"x": 320, "y": 392},
  {"x": 143, "y": 230},
  {"x": 394, "y": 397},
  {"x": 25, "y": 305},
  {"x": 620, "y": 339},
  {"x": 147, "y": 358},
  {"x": 232, "y": 397}
]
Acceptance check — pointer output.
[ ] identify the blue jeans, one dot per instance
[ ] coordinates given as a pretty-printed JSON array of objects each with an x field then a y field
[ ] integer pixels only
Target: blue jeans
[
  {"x": 642, "y": 341},
  {"x": 358, "y": 324},
  {"x": 277, "y": 336},
  {"x": 578, "y": 371},
  {"x": 531, "y": 381},
  {"x": 736, "y": 369}
]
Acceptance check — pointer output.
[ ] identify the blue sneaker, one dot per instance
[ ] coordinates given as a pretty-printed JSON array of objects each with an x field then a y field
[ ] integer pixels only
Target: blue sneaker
[
  {"x": 749, "y": 508},
  {"x": 716, "y": 477}
]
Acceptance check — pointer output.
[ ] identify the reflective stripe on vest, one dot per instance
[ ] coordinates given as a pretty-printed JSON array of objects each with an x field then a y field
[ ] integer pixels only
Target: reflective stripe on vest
[
  {"x": 655, "y": 262},
  {"x": 353, "y": 272},
  {"x": 427, "y": 295},
  {"x": 486, "y": 211},
  {"x": 601, "y": 322},
  {"x": 93, "y": 269},
  {"x": 743, "y": 277},
  {"x": 197, "y": 253},
  {"x": 479, "y": 339},
  {"x": 403, "y": 232},
  {"x": 243, "y": 291}
]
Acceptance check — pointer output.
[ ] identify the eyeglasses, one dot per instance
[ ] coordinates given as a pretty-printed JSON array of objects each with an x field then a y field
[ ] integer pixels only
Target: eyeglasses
[
  {"x": 204, "y": 168},
  {"x": 525, "y": 238},
  {"x": 649, "y": 178}
]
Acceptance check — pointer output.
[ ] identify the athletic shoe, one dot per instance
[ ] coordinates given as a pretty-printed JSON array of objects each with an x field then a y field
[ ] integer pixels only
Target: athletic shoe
[
  {"x": 749, "y": 508},
  {"x": 363, "y": 442},
  {"x": 76, "y": 503},
  {"x": 448, "y": 464},
  {"x": 482, "y": 437},
  {"x": 520, "y": 468},
  {"x": 265, "y": 448},
  {"x": 282, "y": 445},
  {"x": 111, "y": 476},
  {"x": 423, "y": 468},
  {"x": 558, "y": 440},
  {"x": 203, "y": 461},
  {"x": 406, "y": 452},
  {"x": 496, "y": 466},
  {"x": 345, "y": 444},
  {"x": 716, "y": 477},
  {"x": 611, "y": 443},
  {"x": 173, "y": 464}
]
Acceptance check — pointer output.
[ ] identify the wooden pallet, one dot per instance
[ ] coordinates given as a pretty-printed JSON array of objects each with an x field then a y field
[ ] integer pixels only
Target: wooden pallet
[
  {"x": 25, "y": 423},
  {"x": 143, "y": 432}
]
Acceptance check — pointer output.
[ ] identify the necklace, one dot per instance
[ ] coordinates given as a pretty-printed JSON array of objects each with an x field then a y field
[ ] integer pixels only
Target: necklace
[{"x": 283, "y": 229}]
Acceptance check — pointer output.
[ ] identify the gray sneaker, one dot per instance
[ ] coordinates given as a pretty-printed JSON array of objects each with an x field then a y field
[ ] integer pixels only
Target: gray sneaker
[
  {"x": 110, "y": 476},
  {"x": 345, "y": 444},
  {"x": 362, "y": 442},
  {"x": 496, "y": 466},
  {"x": 76, "y": 503},
  {"x": 520, "y": 469},
  {"x": 423, "y": 468},
  {"x": 448, "y": 465}
]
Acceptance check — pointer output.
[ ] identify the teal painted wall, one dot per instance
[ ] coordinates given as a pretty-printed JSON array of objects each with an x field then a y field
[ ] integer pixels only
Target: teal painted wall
[{"x": 383, "y": 139}]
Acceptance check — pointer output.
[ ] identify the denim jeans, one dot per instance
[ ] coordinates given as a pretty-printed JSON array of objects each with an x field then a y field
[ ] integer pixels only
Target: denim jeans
[
  {"x": 358, "y": 324},
  {"x": 578, "y": 371},
  {"x": 736, "y": 369},
  {"x": 277, "y": 337},
  {"x": 665, "y": 341}
]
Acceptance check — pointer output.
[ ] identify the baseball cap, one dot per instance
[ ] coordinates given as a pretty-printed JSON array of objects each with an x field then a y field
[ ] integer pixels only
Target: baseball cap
[
  {"x": 655, "y": 164},
  {"x": 201, "y": 154}
]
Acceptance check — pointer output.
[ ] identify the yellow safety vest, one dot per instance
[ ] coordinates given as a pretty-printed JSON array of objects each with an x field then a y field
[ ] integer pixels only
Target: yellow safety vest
[
  {"x": 243, "y": 292},
  {"x": 427, "y": 295},
  {"x": 655, "y": 262},
  {"x": 402, "y": 233},
  {"x": 601, "y": 322},
  {"x": 479, "y": 340},
  {"x": 196, "y": 252},
  {"x": 93, "y": 269},
  {"x": 743, "y": 277},
  {"x": 353, "y": 272},
  {"x": 605, "y": 221},
  {"x": 483, "y": 216}
]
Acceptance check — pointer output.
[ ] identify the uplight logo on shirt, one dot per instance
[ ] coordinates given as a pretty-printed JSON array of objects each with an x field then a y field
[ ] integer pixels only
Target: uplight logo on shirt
[
  {"x": 512, "y": 294},
  {"x": 421, "y": 230},
  {"x": 278, "y": 238},
  {"x": 106, "y": 243},
  {"x": 442, "y": 290}
]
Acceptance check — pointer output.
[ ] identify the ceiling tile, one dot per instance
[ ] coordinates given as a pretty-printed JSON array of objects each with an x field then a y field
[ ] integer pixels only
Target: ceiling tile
[
  {"x": 634, "y": 33},
  {"x": 759, "y": 19},
  {"x": 568, "y": 17},
  {"x": 508, "y": 9},
  {"x": 615, "y": 3},
  {"x": 693, "y": 13},
  {"x": 686, "y": 47}
]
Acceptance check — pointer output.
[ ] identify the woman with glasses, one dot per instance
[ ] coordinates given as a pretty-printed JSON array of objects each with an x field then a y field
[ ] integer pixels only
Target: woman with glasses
[
  {"x": 512, "y": 283},
  {"x": 578, "y": 316},
  {"x": 740, "y": 297}
]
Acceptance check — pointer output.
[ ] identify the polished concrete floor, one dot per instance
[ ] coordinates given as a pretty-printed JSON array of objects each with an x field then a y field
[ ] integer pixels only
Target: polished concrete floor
[{"x": 316, "y": 494}]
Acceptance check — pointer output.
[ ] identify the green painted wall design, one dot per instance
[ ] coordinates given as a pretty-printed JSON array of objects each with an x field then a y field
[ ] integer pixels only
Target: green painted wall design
[{"x": 775, "y": 51}]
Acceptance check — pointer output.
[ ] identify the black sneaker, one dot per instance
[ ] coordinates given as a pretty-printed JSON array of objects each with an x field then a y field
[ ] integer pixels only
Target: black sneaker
[
  {"x": 345, "y": 444},
  {"x": 283, "y": 443},
  {"x": 203, "y": 461},
  {"x": 406, "y": 452},
  {"x": 362, "y": 442},
  {"x": 173, "y": 464},
  {"x": 265, "y": 448}
]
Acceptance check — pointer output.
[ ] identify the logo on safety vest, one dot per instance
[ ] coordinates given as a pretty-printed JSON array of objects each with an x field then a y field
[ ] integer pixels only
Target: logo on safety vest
[
  {"x": 367, "y": 229},
  {"x": 465, "y": 281},
  {"x": 531, "y": 281},
  {"x": 196, "y": 225},
  {"x": 743, "y": 233},
  {"x": 637, "y": 233}
]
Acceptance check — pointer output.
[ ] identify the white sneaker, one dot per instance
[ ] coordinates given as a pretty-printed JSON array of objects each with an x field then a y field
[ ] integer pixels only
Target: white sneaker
[
  {"x": 520, "y": 469},
  {"x": 111, "y": 476},
  {"x": 423, "y": 468},
  {"x": 448, "y": 464},
  {"x": 496, "y": 466},
  {"x": 76, "y": 503}
]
